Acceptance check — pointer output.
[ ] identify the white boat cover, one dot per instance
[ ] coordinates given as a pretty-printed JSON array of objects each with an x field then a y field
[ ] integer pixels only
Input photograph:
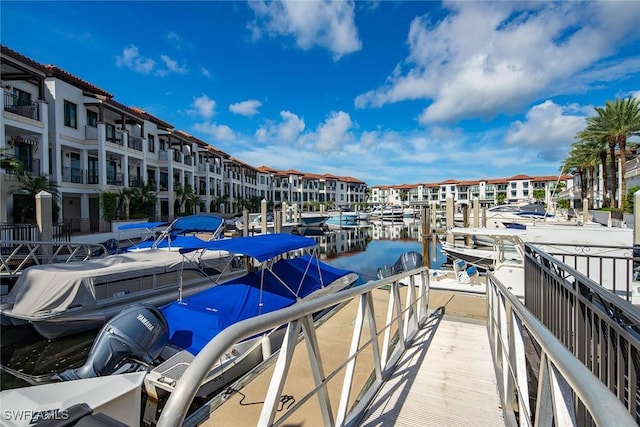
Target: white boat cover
[{"x": 54, "y": 288}]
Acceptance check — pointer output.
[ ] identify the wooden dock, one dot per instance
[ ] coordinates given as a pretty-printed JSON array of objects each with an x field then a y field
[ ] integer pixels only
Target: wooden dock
[{"x": 446, "y": 377}]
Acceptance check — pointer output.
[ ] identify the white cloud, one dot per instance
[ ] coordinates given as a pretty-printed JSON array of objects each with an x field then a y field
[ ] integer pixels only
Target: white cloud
[
  {"x": 286, "y": 131},
  {"x": 131, "y": 59},
  {"x": 205, "y": 72},
  {"x": 333, "y": 133},
  {"x": 246, "y": 108},
  {"x": 325, "y": 23},
  {"x": 490, "y": 57},
  {"x": 203, "y": 106},
  {"x": 171, "y": 67},
  {"x": 218, "y": 132},
  {"x": 548, "y": 128}
]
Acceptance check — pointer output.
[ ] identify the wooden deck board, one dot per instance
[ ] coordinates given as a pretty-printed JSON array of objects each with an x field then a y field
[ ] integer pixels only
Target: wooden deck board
[{"x": 453, "y": 383}]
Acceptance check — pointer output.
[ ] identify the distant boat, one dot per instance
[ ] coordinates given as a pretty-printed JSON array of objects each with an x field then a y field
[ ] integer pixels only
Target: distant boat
[{"x": 313, "y": 219}]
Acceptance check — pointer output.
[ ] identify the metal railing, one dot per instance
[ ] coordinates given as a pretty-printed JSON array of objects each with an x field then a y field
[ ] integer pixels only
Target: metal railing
[
  {"x": 13, "y": 105},
  {"x": 598, "y": 327},
  {"x": 16, "y": 255},
  {"x": 400, "y": 326},
  {"x": 61, "y": 232},
  {"x": 610, "y": 266},
  {"x": 540, "y": 382}
]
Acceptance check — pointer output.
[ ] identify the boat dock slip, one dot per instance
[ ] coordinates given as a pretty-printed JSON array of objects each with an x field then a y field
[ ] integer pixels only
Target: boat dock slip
[{"x": 449, "y": 360}]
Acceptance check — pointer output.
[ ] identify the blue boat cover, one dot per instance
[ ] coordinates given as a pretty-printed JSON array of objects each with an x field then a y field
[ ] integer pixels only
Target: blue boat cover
[
  {"x": 143, "y": 225},
  {"x": 202, "y": 223},
  {"x": 197, "y": 319},
  {"x": 261, "y": 247},
  {"x": 173, "y": 242}
]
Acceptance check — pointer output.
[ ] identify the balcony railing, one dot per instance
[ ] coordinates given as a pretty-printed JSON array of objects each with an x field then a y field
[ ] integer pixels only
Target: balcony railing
[
  {"x": 135, "y": 143},
  {"x": 13, "y": 105},
  {"x": 135, "y": 181},
  {"x": 73, "y": 175},
  {"x": 115, "y": 179}
]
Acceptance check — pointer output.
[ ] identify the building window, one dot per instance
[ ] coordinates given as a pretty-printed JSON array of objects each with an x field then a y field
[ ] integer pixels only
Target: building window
[
  {"x": 70, "y": 117},
  {"x": 22, "y": 98},
  {"x": 152, "y": 143},
  {"x": 92, "y": 118},
  {"x": 111, "y": 132}
]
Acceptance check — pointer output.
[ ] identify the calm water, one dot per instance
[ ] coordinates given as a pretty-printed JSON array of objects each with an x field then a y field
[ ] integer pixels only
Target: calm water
[{"x": 24, "y": 354}]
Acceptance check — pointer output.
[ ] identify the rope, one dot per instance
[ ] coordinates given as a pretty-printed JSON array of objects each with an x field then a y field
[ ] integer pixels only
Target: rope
[{"x": 284, "y": 399}]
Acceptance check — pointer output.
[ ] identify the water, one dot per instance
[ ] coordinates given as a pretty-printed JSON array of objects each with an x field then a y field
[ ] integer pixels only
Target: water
[{"x": 25, "y": 356}]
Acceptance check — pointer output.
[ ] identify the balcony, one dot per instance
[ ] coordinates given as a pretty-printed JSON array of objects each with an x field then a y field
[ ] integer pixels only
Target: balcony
[
  {"x": 73, "y": 175},
  {"x": 115, "y": 179},
  {"x": 135, "y": 143},
  {"x": 136, "y": 181},
  {"x": 13, "y": 105}
]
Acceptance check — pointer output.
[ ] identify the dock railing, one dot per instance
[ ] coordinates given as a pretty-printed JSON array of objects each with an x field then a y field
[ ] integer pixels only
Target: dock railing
[
  {"x": 16, "y": 255},
  {"x": 563, "y": 378},
  {"x": 597, "y": 326}
]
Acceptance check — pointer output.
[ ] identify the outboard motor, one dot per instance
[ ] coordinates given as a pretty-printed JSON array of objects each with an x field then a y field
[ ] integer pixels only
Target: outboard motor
[{"x": 138, "y": 332}]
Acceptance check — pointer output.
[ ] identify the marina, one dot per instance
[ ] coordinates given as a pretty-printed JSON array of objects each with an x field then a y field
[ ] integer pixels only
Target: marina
[{"x": 431, "y": 308}]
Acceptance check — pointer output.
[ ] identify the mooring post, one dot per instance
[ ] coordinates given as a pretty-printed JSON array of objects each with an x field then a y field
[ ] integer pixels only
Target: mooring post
[
  {"x": 263, "y": 216},
  {"x": 476, "y": 212},
  {"x": 450, "y": 213},
  {"x": 44, "y": 202},
  {"x": 425, "y": 228},
  {"x": 245, "y": 222}
]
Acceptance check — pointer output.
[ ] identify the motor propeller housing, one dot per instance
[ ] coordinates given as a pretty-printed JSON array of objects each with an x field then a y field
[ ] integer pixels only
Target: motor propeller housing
[{"x": 138, "y": 332}]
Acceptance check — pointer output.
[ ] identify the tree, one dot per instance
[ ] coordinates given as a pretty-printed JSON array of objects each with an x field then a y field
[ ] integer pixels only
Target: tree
[
  {"x": 9, "y": 163},
  {"x": 539, "y": 194},
  {"x": 30, "y": 186},
  {"x": 187, "y": 198},
  {"x": 614, "y": 123},
  {"x": 143, "y": 201}
]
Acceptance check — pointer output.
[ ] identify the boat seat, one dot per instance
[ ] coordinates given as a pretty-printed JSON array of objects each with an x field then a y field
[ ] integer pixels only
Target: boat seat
[
  {"x": 460, "y": 270},
  {"x": 80, "y": 415}
]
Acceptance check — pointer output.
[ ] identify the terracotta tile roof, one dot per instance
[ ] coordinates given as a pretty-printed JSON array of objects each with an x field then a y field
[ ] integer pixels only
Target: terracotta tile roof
[
  {"x": 10, "y": 53},
  {"x": 152, "y": 118},
  {"x": 520, "y": 177},
  {"x": 57, "y": 72}
]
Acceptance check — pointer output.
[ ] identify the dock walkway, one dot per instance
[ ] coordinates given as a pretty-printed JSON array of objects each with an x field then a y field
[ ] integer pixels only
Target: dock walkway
[{"x": 445, "y": 378}]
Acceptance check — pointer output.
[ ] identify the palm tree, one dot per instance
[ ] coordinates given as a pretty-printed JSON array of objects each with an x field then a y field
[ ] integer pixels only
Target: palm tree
[
  {"x": 577, "y": 162},
  {"x": 143, "y": 199},
  {"x": 31, "y": 185},
  {"x": 185, "y": 196},
  {"x": 614, "y": 123}
]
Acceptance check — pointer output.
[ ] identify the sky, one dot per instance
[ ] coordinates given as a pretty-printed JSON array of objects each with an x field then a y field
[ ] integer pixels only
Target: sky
[{"x": 388, "y": 92}]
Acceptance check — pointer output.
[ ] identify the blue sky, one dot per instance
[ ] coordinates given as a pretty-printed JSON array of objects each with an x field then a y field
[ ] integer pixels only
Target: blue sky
[{"x": 387, "y": 92}]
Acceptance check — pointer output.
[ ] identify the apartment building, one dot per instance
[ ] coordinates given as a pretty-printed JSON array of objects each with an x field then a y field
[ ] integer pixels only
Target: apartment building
[
  {"x": 516, "y": 189},
  {"x": 80, "y": 137}
]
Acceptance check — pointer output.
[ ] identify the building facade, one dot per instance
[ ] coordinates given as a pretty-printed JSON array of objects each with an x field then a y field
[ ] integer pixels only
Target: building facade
[
  {"x": 78, "y": 136},
  {"x": 489, "y": 192}
]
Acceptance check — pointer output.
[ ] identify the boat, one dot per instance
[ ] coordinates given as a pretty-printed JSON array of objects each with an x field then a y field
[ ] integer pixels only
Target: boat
[
  {"x": 183, "y": 231},
  {"x": 254, "y": 225},
  {"x": 313, "y": 219},
  {"x": 407, "y": 261},
  {"x": 284, "y": 270},
  {"x": 481, "y": 258},
  {"x": 67, "y": 298},
  {"x": 342, "y": 220},
  {"x": 387, "y": 212}
]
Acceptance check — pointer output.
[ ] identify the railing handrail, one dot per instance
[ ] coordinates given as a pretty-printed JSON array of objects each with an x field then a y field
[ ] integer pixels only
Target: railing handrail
[
  {"x": 602, "y": 404},
  {"x": 176, "y": 407}
]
